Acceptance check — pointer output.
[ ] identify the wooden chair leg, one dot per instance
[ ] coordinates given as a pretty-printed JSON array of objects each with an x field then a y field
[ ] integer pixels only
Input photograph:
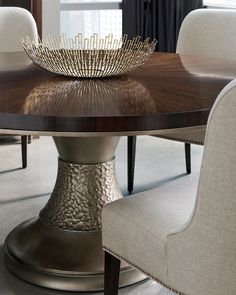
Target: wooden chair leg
[
  {"x": 112, "y": 273},
  {"x": 188, "y": 157},
  {"x": 24, "y": 151},
  {"x": 131, "y": 161}
]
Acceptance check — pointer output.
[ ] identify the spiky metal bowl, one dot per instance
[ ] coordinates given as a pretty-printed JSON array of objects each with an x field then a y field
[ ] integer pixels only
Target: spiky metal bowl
[{"x": 89, "y": 57}]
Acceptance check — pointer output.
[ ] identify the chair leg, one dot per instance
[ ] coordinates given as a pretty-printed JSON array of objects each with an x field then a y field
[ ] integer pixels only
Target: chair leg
[
  {"x": 29, "y": 139},
  {"x": 188, "y": 157},
  {"x": 131, "y": 161},
  {"x": 24, "y": 151},
  {"x": 112, "y": 273}
]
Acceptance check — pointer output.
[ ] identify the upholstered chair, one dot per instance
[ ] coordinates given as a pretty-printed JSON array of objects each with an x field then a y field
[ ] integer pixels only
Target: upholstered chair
[
  {"x": 205, "y": 32},
  {"x": 185, "y": 241},
  {"x": 15, "y": 24}
]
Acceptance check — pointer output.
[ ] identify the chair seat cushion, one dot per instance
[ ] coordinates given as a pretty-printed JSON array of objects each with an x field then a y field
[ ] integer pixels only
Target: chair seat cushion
[
  {"x": 147, "y": 219},
  {"x": 187, "y": 136}
]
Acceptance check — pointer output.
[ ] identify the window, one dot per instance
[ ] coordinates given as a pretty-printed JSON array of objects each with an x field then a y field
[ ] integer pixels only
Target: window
[
  {"x": 227, "y": 3},
  {"x": 91, "y": 16}
]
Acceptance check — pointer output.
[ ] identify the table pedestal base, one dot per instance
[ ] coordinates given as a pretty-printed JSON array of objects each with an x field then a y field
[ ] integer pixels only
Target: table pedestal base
[
  {"x": 62, "y": 249},
  {"x": 60, "y": 260}
]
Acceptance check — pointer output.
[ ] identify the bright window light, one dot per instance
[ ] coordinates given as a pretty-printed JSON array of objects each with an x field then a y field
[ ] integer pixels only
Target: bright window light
[
  {"x": 229, "y": 3},
  {"x": 91, "y": 16},
  {"x": 89, "y": 1}
]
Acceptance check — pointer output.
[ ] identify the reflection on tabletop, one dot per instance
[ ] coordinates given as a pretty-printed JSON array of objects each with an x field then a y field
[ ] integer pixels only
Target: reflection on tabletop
[
  {"x": 216, "y": 68},
  {"x": 71, "y": 97},
  {"x": 12, "y": 61}
]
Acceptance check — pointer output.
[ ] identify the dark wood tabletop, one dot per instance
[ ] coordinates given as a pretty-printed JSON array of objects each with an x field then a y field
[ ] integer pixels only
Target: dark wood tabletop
[{"x": 170, "y": 91}]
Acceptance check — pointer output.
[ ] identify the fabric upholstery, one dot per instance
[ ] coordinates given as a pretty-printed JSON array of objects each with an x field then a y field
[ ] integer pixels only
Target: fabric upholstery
[
  {"x": 15, "y": 23},
  {"x": 209, "y": 32},
  {"x": 202, "y": 257},
  {"x": 206, "y": 32},
  {"x": 191, "y": 251},
  {"x": 136, "y": 227},
  {"x": 194, "y": 137}
]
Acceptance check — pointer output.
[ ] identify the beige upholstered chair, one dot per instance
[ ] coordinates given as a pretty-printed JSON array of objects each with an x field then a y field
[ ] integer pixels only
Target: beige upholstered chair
[
  {"x": 16, "y": 23},
  {"x": 186, "y": 243},
  {"x": 206, "y": 32}
]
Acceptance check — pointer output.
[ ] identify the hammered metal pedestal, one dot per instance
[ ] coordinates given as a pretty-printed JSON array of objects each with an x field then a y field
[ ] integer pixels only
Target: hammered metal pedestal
[{"x": 62, "y": 249}]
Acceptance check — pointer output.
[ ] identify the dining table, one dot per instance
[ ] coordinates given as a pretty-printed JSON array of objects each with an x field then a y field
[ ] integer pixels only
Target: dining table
[{"x": 62, "y": 247}]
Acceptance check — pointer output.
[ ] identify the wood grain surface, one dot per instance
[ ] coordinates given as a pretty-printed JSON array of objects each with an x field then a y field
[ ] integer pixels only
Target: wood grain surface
[{"x": 170, "y": 91}]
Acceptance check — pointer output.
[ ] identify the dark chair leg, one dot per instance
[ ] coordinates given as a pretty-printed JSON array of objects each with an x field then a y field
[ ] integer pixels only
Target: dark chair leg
[
  {"x": 131, "y": 161},
  {"x": 188, "y": 157},
  {"x": 29, "y": 138},
  {"x": 24, "y": 151},
  {"x": 112, "y": 273}
]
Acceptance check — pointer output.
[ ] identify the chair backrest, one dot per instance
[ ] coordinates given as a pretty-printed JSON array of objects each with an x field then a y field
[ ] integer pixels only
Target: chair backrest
[
  {"x": 15, "y": 24},
  {"x": 209, "y": 32},
  {"x": 203, "y": 253}
]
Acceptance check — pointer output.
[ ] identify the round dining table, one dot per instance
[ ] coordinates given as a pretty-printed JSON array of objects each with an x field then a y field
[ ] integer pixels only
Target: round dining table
[{"x": 62, "y": 248}]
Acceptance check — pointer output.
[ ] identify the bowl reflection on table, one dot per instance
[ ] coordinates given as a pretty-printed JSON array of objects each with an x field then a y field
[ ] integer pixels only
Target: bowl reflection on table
[{"x": 105, "y": 97}]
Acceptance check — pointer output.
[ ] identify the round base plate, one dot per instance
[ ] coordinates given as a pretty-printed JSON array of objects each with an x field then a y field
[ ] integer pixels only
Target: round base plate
[{"x": 61, "y": 260}]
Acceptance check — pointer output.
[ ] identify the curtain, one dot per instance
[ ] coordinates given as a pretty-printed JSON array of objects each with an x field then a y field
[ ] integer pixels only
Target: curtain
[
  {"x": 160, "y": 19},
  {"x": 21, "y": 3}
]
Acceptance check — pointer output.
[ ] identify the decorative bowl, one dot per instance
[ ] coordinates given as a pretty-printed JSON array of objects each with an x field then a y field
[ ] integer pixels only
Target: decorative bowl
[{"x": 89, "y": 57}]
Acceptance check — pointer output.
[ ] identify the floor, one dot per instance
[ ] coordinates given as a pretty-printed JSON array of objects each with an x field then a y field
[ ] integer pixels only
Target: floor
[{"x": 24, "y": 192}]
